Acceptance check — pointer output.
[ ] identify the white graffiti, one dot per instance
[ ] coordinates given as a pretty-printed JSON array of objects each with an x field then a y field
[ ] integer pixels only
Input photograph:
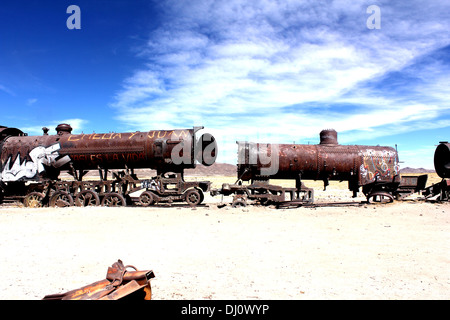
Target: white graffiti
[
  {"x": 379, "y": 153},
  {"x": 40, "y": 156},
  {"x": 363, "y": 171}
]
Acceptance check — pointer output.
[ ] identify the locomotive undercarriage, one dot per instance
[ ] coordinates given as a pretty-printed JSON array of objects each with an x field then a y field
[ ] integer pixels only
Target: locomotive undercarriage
[
  {"x": 439, "y": 191},
  {"x": 125, "y": 189},
  {"x": 261, "y": 192}
]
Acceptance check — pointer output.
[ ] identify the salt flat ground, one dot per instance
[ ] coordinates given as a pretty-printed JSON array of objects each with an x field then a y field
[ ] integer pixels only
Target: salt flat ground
[{"x": 386, "y": 251}]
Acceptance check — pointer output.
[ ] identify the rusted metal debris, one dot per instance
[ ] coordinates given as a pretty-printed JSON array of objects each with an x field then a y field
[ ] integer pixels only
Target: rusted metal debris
[{"x": 120, "y": 283}]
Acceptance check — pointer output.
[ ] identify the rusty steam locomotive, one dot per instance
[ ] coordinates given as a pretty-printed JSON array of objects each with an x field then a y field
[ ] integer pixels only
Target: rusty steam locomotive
[
  {"x": 30, "y": 169},
  {"x": 374, "y": 169},
  {"x": 31, "y": 166}
]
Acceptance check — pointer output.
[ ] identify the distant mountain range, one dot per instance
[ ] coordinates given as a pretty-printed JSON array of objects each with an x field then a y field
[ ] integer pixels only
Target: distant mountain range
[
  {"x": 216, "y": 169},
  {"x": 416, "y": 170}
]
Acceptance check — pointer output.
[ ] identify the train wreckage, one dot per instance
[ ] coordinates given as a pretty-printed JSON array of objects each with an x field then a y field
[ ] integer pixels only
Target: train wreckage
[
  {"x": 31, "y": 165},
  {"x": 30, "y": 168},
  {"x": 374, "y": 169}
]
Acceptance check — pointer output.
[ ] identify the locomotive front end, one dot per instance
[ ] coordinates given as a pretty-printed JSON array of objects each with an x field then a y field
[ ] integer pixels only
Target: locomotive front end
[{"x": 442, "y": 160}]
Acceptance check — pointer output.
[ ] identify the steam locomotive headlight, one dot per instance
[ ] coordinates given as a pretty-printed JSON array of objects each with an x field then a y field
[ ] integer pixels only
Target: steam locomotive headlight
[{"x": 206, "y": 149}]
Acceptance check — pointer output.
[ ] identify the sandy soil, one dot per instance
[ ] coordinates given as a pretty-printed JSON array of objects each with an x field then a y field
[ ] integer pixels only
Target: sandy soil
[{"x": 388, "y": 251}]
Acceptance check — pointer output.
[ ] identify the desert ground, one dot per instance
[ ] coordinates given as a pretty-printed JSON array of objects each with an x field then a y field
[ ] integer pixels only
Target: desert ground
[{"x": 388, "y": 251}]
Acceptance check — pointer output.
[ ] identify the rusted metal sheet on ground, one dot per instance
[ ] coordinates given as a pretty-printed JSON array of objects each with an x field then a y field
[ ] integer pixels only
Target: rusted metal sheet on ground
[{"x": 120, "y": 283}]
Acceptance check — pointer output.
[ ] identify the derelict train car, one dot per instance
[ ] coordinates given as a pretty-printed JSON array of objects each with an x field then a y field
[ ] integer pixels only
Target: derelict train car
[
  {"x": 30, "y": 166},
  {"x": 374, "y": 168}
]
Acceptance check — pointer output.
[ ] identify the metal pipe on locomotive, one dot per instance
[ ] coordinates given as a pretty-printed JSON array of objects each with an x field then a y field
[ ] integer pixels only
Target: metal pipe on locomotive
[
  {"x": 30, "y": 166},
  {"x": 374, "y": 168}
]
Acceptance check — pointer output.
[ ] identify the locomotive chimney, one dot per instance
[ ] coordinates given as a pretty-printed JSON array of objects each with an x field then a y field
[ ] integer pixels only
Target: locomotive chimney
[
  {"x": 328, "y": 136},
  {"x": 63, "y": 128}
]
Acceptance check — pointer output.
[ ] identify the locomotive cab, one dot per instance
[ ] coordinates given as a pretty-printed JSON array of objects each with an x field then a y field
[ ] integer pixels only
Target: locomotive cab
[{"x": 8, "y": 132}]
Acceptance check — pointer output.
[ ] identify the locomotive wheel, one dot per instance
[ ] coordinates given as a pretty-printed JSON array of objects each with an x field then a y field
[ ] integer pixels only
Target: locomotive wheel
[
  {"x": 146, "y": 198},
  {"x": 114, "y": 199},
  {"x": 239, "y": 203},
  {"x": 380, "y": 196},
  {"x": 34, "y": 200},
  {"x": 87, "y": 198},
  {"x": 61, "y": 199},
  {"x": 193, "y": 197}
]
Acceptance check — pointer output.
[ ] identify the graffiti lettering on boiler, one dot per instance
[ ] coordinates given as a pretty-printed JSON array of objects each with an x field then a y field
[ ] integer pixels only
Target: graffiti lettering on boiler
[
  {"x": 39, "y": 156},
  {"x": 111, "y": 136},
  {"x": 113, "y": 157}
]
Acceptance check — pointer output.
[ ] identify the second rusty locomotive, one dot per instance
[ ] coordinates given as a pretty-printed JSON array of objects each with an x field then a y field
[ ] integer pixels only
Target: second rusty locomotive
[{"x": 30, "y": 166}]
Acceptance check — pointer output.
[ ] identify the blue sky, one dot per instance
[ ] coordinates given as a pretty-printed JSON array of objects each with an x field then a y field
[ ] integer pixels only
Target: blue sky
[{"x": 272, "y": 71}]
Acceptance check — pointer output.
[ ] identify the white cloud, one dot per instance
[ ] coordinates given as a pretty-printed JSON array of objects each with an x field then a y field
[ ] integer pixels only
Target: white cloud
[
  {"x": 31, "y": 101},
  {"x": 7, "y": 90},
  {"x": 237, "y": 67}
]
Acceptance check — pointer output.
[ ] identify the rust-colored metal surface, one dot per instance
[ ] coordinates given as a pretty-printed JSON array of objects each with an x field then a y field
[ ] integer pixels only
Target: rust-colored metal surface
[
  {"x": 374, "y": 168},
  {"x": 360, "y": 165},
  {"x": 409, "y": 185},
  {"x": 24, "y": 157},
  {"x": 120, "y": 283},
  {"x": 30, "y": 166}
]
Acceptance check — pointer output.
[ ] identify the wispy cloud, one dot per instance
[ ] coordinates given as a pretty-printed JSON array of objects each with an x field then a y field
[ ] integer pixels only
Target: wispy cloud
[
  {"x": 6, "y": 90},
  {"x": 31, "y": 101},
  {"x": 284, "y": 70}
]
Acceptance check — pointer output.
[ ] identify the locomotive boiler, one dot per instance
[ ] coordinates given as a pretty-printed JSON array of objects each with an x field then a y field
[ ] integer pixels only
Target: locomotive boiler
[
  {"x": 30, "y": 166},
  {"x": 374, "y": 168}
]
